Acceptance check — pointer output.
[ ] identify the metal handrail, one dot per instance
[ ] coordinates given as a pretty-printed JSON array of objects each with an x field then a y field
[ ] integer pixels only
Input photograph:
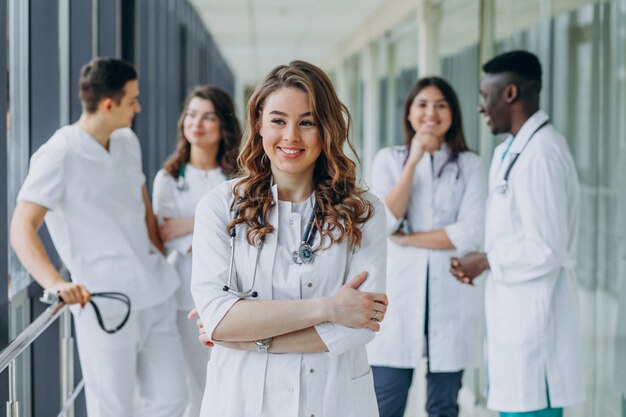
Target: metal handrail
[{"x": 28, "y": 336}]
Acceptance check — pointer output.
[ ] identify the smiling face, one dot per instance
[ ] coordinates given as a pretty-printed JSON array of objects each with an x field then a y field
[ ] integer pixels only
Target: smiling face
[
  {"x": 291, "y": 139},
  {"x": 201, "y": 126},
  {"x": 430, "y": 113},
  {"x": 493, "y": 103}
]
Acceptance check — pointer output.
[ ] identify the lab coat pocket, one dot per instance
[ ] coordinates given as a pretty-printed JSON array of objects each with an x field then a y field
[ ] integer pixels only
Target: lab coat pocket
[{"x": 362, "y": 401}]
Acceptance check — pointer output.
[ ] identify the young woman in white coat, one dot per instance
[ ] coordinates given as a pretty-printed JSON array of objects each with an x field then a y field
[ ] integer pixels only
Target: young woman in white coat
[
  {"x": 289, "y": 262},
  {"x": 205, "y": 156},
  {"x": 434, "y": 191}
]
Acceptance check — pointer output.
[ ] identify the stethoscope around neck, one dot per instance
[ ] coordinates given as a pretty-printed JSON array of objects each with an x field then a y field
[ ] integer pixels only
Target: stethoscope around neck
[
  {"x": 304, "y": 255},
  {"x": 503, "y": 187},
  {"x": 453, "y": 158},
  {"x": 181, "y": 182}
]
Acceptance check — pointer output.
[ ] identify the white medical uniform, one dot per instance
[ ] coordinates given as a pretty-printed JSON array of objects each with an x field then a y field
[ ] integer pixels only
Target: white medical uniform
[
  {"x": 240, "y": 383},
  {"x": 96, "y": 220},
  {"x": 169, "y": 201},
  {"x": 533, "y": 329},
  {"x": 455, "y": 309}
]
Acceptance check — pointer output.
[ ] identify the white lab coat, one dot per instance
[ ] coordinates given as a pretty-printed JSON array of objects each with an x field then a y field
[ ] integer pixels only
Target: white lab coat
[
  {"x": 169, "y": 201},
  {"x": 337, "y": 383},
  {"x": 533, "y": 329},
  {"x": 455, "y": 313}
]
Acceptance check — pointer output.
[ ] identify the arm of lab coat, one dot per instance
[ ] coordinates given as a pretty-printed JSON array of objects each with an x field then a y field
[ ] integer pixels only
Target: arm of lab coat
[
  {"x": 383, "y": 180},
  {"x": 467, "y": 232},
  {"x": 164, "y": 204},
  {"x": 210, "y": 260},
  {"x": 540, "y": 245},
  {"x": 371, "y": 256}
]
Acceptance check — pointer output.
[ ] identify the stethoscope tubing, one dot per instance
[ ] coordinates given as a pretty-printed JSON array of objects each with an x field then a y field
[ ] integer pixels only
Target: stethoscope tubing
[
  {"x": 503, "y": 187},
  {"x": 307, "y": 238},
  {"x": 118, "y": 296}
]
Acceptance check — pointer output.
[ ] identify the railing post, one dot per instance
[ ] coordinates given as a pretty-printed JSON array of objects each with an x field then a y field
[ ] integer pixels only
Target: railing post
[
  {"x": 67, "y": 362},
  {"x": 13, "y": 409}
]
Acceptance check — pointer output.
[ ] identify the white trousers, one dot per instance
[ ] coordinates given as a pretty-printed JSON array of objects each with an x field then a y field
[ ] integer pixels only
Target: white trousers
[
  {"x": 196, "y": 358},
  {"x": 146, "y": 354}
]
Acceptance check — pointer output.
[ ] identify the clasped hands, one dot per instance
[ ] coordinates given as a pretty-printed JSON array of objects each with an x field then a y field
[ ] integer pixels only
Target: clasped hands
[{"x": 467, "y": 268}]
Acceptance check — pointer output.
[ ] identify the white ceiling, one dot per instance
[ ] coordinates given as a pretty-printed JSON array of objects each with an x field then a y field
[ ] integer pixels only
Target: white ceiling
[{"x": 257, "y": 35}]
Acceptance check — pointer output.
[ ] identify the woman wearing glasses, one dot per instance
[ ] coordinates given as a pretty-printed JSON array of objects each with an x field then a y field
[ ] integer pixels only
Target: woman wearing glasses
[
  {"x": 205, "y": 156},
  {"x": 434, "y": 192},
  {"x": 292, "y": 303}
]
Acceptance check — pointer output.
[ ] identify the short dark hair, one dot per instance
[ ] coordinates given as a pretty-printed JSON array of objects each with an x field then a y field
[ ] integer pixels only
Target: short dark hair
[
  {"x": 104, "y": 77},
  {"x": 454, "y": 137},
  {"x": 524, "y": 65}
]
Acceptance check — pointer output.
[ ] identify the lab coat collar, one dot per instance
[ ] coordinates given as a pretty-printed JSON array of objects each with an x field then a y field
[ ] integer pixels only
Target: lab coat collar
[
  {"x": 440, "y": 157},
  {"x": 527, "y": 130},
  {"x": 275, "y": 196}
]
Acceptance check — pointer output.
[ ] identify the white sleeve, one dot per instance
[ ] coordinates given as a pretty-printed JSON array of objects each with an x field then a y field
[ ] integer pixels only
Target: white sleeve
[
  {"x": 539, "y": 245},
  {"x": 45, "y": 183},
  {"x": 163, "y": 198},
  {"x": 383, "y": 181},
  {"x": 371, "y": 256},
  {"x": 164, "y": 205},
  {"x": 210, "y": 260},
  {"x": 467, "y": 232}
]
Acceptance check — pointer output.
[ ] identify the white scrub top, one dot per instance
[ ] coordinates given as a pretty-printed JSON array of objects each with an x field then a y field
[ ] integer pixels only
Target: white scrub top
[
  {"x": 531, "y": 303},
  {"x": 336, "y": 383},
  {"x": 455, "y": 202},
  {"x": 96, "y": 216},
  {"x": 169, "y": 201}
]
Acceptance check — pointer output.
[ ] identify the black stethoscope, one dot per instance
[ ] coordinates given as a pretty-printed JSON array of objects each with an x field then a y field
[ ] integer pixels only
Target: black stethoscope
[
  {"x": 181, "y": 183},
  {"x": 51, "y": 298},
  {"x": 503, "y": 186},
  {"x": 453, "y": 158},
  {"x": 304, "y": 255}
]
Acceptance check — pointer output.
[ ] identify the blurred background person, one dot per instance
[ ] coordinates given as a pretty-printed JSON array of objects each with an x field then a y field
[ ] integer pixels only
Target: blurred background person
[
  {"x": 534, "y": 345},
  {"x": 205, "y": 156},
  {"x": 434, "y": 190}
]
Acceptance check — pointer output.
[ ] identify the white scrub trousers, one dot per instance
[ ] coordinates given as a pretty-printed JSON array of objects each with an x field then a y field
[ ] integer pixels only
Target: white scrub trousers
[{"x": 147, "y": 351}]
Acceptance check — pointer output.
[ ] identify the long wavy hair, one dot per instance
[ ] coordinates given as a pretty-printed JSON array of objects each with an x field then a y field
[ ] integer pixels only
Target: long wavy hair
[
  {"x": 454, "y": 136},
  {"x": 230, "y": 135},
  {"x": 340, "y": 205}
]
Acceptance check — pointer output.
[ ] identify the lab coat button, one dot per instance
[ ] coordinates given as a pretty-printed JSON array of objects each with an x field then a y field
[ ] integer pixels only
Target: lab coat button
[
  {"x": 310, "y": 284},
  {"x": 312, "y": 370},
  {"x": 291, "y": 222}
]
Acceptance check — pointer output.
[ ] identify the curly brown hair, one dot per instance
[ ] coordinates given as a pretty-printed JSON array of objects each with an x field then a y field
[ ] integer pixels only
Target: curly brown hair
[
  {"x": 340, "y": 204},
  {"x": 230, "y": 132}
]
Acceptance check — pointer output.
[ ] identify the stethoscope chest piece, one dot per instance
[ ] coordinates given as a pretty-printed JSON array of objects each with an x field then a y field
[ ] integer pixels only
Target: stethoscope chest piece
[
  {"x": 305, "y": 254},
  {"x": 503, "y": 187}
]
